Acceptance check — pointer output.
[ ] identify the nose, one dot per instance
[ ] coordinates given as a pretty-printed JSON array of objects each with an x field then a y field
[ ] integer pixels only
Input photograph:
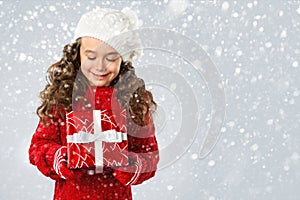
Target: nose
[{"x": 100, "y": 65}]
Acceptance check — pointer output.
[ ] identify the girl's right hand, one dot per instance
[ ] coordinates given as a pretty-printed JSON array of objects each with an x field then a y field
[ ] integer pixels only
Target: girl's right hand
[{"x": 60, "y": 165}]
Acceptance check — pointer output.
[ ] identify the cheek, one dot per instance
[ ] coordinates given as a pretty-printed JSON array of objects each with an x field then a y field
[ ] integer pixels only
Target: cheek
[
  {"x": 116, "y": 69},
  {"x": 86, "y": 65},
  {"x": 118, "y": 66}
]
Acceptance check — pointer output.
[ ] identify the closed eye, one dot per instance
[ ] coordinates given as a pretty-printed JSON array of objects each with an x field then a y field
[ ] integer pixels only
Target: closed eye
[
  {"x": 91, "y": 58},
  {"x": 112, "y": 58}
]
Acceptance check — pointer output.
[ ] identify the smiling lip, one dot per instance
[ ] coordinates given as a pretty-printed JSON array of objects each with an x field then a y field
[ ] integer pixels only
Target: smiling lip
[{"x": 100, "y": 76}]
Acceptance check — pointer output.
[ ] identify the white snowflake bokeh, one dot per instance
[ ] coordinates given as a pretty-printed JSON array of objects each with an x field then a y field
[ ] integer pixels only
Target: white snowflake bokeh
[{"x": 256, "y": 48}]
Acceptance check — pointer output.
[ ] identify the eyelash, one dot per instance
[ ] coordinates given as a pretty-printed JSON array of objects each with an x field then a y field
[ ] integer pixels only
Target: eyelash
[
  {"x": 110, "y": 60},
  {"x": 90, "y": 58}
]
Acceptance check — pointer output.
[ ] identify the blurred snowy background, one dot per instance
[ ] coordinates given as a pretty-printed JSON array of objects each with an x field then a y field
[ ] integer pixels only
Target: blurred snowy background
[{"x": 256, "y": 48}]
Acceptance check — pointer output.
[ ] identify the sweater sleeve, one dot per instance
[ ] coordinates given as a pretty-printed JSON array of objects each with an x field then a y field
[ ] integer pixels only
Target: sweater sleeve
[
  {"x": 143, "y": 155},
  {"x": 44, "y": 143}
]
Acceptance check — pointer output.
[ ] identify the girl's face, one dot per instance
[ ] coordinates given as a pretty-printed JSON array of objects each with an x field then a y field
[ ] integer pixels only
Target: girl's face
[{"x": 100, "y": 63}]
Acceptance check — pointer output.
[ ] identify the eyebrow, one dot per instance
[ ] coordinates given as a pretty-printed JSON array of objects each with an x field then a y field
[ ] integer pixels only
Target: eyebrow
[{"x": 91, "y": 51}]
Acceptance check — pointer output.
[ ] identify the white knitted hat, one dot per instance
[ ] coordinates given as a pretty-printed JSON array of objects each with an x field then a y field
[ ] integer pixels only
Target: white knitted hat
[{"x": 114, "y": 27}]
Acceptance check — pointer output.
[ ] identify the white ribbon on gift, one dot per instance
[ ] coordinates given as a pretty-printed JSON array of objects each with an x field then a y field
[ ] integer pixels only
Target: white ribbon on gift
[{"x": 98, "y": 137}]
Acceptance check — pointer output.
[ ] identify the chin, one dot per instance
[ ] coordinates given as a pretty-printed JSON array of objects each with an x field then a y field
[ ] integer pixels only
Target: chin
[{"x": 101, "y": 84}]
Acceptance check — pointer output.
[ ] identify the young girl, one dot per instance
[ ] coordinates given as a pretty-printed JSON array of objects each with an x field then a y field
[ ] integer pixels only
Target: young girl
[{"x": 96, "y": 72}]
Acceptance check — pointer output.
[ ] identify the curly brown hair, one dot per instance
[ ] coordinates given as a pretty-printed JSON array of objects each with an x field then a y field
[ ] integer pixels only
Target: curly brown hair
[{"x": 130, "y": 90}]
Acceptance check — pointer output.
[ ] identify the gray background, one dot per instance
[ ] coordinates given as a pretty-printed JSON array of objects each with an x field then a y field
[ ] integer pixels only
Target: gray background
[{"x": 254, "y": 45}]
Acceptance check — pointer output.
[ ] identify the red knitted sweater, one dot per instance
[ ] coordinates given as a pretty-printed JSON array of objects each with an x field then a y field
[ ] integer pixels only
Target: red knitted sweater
[{"x": 115, "y": 184}]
